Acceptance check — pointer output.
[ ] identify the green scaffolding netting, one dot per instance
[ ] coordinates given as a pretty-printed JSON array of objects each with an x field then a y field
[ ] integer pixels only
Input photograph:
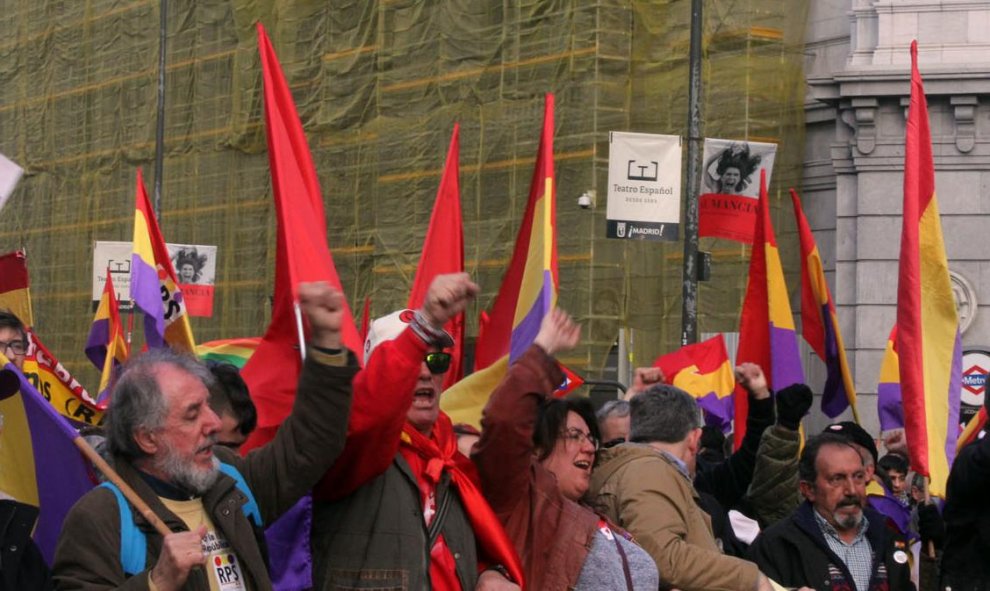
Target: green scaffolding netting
[{"x": 378, "y": 85}]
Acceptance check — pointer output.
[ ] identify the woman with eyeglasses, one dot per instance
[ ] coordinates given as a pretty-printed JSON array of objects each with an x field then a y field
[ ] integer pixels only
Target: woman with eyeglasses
[{"x": 535, "y": 458}]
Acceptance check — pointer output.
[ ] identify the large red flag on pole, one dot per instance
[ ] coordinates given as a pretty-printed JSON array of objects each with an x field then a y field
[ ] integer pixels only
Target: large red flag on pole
[
  {"x": 443, "y": 251},
  {"x": 928, "y": 341},
  {"x": 302, "y": 254}
]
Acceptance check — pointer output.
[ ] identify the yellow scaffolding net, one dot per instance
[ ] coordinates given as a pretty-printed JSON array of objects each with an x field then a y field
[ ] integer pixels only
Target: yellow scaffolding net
[{"x": 378, "y": 85}]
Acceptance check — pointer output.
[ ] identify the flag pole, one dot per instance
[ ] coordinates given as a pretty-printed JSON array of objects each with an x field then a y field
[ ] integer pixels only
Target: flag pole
[
  {"x": 299, "y": 330},
  {"x": 689, "y": 291},
  {"x": 111, "y": 475}
]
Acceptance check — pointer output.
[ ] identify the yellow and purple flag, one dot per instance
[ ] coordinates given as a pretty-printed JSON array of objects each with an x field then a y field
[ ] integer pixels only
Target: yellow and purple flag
[
  {"x": 41, "y": 464},
  {"x": 703, "y": 371},
  {"x": 973, "y": 429},
  {"x": 15, "y": 292},
  {"x": 820, "y": 325},
  {"x": 154, "y": 287},
  {"x": 106, "y": 346},
  {"x": 767, "y": 334},
  {"x": 890, "y": 408},
  {"x": 527, "y": 293},
  {"x": 928, "y": 340}
]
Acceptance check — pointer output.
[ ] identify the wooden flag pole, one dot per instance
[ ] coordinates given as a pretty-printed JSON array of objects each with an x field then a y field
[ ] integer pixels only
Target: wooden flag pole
[{"x": 111, "y": 474}]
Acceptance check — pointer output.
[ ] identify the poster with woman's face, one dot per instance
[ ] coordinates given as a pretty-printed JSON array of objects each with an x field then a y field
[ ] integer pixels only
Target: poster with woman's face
[
  {"x": 730, "y": 181},
  {"x": 196, "y": 269}
]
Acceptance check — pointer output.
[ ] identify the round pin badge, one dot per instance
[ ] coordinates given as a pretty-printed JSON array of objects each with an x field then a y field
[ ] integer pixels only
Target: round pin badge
[{"x": 900, "y": 557}]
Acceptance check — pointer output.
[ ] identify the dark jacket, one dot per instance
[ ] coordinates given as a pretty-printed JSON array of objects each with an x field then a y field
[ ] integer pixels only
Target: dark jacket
[
  {"x": 21, "y": 564},
  {"x": 278, "y": 474},
  {"x": 551, "y": 533},
  {"x": 368, "y": 526},
  {"x": 794, "y": 553},
  {"x": 966, "y": 554},
  {"x": 376, "y": 538},
  {"x": 729, "y": 480}
]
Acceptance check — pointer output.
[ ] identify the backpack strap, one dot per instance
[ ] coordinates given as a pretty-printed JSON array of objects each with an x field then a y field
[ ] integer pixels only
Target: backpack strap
[
  {"x": 133, "y": 543},
  {"x": 251, "y": 510}
]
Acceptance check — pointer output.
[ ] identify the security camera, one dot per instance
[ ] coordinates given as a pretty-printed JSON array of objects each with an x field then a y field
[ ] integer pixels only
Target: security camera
[{"x": 587, "y": 200}]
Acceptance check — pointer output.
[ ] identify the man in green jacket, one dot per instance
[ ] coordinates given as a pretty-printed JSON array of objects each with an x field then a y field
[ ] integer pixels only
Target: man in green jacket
[{"x": 162, "y": 436}]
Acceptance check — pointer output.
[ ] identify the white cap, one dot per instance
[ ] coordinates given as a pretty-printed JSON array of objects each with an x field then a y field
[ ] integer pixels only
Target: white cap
[{"x": 389, "y": 327}]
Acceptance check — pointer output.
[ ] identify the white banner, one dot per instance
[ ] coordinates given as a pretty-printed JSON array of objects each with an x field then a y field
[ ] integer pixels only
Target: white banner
[
  {"x": 10, "y": 174},
  {"x": 194, "y": 264},
  {"x": 644, "y": 186}
]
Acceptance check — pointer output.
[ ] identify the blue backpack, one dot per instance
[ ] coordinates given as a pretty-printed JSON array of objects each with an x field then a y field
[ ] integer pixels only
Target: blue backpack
[{"x": 133, "y": 542}]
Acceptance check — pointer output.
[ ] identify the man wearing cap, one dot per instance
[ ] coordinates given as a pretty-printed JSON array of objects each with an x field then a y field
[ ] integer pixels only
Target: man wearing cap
[
  {"x": 833, "y": 540},
  {"x": 400, "y": 508}
]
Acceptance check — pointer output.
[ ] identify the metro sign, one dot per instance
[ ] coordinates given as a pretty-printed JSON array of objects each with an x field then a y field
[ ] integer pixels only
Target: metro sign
[{"x": 974, "y": 380}]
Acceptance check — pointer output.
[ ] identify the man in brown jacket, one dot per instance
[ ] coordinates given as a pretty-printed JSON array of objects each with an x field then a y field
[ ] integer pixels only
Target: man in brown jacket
[
  {"x": 162, "y": 433},
  {"x": 646, "y": 487}
]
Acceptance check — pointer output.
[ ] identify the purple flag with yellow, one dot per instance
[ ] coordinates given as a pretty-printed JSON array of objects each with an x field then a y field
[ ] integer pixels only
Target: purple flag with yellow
[
  {"x": 929, "y": 346},
  {"x": 41, "y": 464},
  {"x": 820, "y": 325},
  {"x": 154, "y": 288},
  {"x": 890, "y": 408},
  {"x": 767, "y": 334},
  {"x": 528, "y": 291},
  {"x": 106, "y": 346}
]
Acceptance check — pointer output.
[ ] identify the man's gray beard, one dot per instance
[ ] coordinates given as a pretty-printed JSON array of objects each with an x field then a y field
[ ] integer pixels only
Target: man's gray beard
[
  {"x": 848, "y": 521},
  {"x": 187, "y": 475}
]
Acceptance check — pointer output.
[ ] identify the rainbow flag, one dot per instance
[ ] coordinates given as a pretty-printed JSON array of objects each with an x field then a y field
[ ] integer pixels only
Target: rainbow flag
[
  {"x": 767, "y": 334},
  {"x": 928, "y": 340},
  {"x": 528, "y": 291},
  {"x": 443, "y": 252},
  {"x": 106, "y": 346},
  {"x": 703, "y": 371},
  {"x": 15, "y": 292},
  {"x": 233, "y": 351},
  {"x": 889, "y": 405},
  {"x": 820, "y": 325},
  {"x": 41, "y": 464},
  {"x": 154, "y": 287}
]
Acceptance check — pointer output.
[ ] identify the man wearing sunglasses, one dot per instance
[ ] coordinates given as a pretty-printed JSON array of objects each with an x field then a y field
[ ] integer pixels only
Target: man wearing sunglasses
[{"x": 399, "y": 508}]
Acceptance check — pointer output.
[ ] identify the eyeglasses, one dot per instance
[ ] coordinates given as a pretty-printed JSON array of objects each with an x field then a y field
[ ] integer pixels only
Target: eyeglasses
[
  {"x": 578, "y": 436},
  {"x": 16, "y": 347},
  {"x": 438, "y": 362}
]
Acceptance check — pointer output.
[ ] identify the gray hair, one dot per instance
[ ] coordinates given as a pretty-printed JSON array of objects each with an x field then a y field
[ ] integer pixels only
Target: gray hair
[
  {"x": 663, "y": 413},
  {"x": 137, "y": 401},
  {"x": 613, "y": 408}
]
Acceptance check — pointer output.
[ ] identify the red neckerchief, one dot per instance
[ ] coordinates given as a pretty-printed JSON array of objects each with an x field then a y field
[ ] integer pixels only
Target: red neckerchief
[{"x": 440, "y": 453}]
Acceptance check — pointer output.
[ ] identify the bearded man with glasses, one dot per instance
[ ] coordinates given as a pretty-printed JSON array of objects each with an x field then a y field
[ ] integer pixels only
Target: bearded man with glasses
[{"x": 399, "y": 509}]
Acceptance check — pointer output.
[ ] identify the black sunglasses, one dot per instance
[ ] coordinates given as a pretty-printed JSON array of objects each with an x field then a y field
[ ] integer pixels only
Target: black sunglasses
[{"x": 438, "y": 362}]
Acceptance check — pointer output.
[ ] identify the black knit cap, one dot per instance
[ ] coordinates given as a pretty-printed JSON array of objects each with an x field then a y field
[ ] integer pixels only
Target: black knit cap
[{"x": 855, "y": 434}]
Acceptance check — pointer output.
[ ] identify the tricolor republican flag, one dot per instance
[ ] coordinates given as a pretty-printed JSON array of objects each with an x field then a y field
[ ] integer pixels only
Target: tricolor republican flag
[
  {"x": 819, "y": 323},
  {"x": 890, "y": 407},
  {"x": 154, "y": 287},
  {"x": 106, "y": 346},
  {"x": 528, "y": 291},
  {"x": 928, "y": 340},
  {"x": 703, "y": 371},
  {"x": 766, "y": 326}
]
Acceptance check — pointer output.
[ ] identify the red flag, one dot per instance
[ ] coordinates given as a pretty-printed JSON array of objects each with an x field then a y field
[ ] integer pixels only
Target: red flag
[
  {"x": 302, "y": 254},
  {"x": 572, "y": 382},
  {"x": 365, "y": 319},
  {"x": 443, "y": 251}
]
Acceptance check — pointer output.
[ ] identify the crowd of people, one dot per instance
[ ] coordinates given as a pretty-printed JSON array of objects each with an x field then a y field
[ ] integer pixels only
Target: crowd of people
[{"x": 546, "y": 495}]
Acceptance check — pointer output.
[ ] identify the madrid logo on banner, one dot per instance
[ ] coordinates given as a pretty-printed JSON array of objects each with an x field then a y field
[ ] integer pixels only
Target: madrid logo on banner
[
  {"x": 730, "y": 180},
  {"x": 644, "y": 186}
]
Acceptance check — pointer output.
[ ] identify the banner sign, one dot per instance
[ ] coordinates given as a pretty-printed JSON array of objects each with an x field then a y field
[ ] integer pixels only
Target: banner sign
[
  {"x": 730, "y": 181},
  {"x": 975, "y": 367},
  {"x": 195, "y": 266},
  {"x": 644, "y": 186}
]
